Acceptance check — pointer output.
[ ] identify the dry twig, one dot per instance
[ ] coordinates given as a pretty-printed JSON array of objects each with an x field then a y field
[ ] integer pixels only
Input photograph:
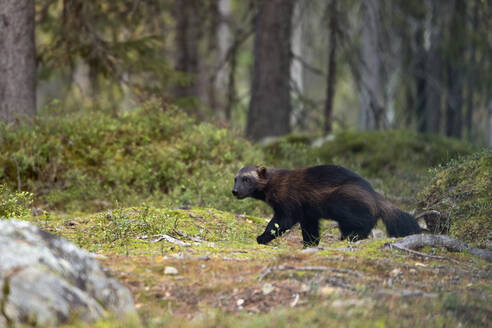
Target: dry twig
[{"x": 171, "y": 240}]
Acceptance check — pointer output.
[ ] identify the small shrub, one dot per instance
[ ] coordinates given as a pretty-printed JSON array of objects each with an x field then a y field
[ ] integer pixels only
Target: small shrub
[{"x": 14, "y": 204}]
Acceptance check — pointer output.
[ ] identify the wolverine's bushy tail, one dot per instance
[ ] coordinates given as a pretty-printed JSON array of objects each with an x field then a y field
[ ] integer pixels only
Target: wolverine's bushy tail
[{"x": 397, "y": 222}]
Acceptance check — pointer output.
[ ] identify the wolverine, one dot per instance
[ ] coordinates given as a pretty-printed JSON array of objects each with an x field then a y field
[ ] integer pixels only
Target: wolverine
[{"x": 321, "y": 192}]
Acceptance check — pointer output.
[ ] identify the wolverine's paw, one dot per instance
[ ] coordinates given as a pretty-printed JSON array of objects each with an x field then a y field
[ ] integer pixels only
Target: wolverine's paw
[
  {"x": 262, "y": 239},
  {"x": 310, "y": 243}
]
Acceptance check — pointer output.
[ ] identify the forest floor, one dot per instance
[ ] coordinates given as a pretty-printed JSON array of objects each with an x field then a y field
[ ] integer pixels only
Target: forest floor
[
  {"x": 220, "y": 277},
  {"x": 213, "y": 273}
]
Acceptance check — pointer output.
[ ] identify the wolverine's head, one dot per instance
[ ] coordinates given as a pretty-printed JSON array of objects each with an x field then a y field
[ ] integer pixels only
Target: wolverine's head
[{"x": 249, "y": 181}]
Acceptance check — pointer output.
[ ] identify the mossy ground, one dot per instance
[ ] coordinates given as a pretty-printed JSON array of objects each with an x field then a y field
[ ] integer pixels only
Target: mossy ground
[
  {"x": 461, "y": 191},
  {"x": 218, "y": 284}
]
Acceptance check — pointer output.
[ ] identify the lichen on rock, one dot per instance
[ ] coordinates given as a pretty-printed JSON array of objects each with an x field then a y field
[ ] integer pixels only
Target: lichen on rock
[{"x": 46, "y": 280}]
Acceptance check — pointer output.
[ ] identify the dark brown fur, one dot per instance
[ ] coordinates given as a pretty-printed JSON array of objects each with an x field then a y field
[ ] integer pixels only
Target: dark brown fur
[{"x": 327, "y": 191}]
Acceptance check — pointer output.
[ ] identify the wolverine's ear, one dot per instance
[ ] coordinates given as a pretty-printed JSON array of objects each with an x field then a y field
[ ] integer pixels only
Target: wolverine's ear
[{"x": 261, "y": 170}]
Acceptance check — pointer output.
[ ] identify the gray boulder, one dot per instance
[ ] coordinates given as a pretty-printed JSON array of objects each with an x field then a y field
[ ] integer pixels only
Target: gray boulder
[{"x": 46, "y": 280}]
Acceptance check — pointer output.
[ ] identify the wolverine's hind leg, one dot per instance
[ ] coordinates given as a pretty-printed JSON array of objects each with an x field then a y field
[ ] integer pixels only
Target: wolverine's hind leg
[
  {"x": 353, "y": 234},
  {"x": 354, "y": 223},
  {"x": 310, "y": 232},
  {"x": 351, "y": 208}
]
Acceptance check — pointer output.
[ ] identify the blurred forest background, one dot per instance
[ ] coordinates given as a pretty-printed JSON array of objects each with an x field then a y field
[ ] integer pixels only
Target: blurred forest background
[{"x": 265, "y": 68}]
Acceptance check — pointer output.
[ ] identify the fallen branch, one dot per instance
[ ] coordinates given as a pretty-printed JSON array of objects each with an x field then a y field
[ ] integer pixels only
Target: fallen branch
[
  {"x": 171, "y": 240},
  {"x": 269, "y": 270},
  {"x": 410, "y": 243},
  {"x": 184, "y": 235},
  {"x": 425, "y": 255}
]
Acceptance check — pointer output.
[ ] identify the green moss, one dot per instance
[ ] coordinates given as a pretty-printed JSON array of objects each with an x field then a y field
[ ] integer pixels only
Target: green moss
[
  {"x": 133, "y": 230},
  {"x": 462, "y": 192},
  {"x": 94, "y": 160},
  {"x": 368, "y": 249}
]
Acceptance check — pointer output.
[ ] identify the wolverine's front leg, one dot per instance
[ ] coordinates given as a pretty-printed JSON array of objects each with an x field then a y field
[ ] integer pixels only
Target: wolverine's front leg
[{"x": 275, "y": 228}]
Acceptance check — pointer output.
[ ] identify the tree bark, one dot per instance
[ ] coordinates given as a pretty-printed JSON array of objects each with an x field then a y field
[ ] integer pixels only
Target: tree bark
[
  {"x": 433, "y": 87},
  {"x": 331, "y": 77},
  {"x": 372, "y": 104},
  {"x": 17, "y": 60},
  {"x": 213, "y": 50},
  {"x": 471, "y": 73},
  {"x": 489, "y": 125},
  {"x": 188, "y": 34},
  {"x": 231, "y": 85},
  {"x": 454, "y": 102},
  {"x": 420, "y": 82},
  {"x": 224, "y": 42},
  {"x": 270, "y": 105},
  {"x": 455, "y": 70}
]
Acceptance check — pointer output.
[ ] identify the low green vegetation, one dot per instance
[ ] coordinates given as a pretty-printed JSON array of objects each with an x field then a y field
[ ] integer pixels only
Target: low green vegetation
[
  {"x": 135, "y": 230},
  {"x": 461, "y": 191},
  {"x": 371, "y": 152},
  {"x": 14, "y": 204},
  {"x": 92, "y": 161}
]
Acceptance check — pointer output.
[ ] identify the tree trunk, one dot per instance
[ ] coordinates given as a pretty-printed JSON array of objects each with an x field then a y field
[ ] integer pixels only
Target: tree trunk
[
  {"x": 454, "y": 102},
  {"x": 420, "y": 82},
  {"x": 17, "y": 60},
  {"x": 231, "y": 85},
  {"x": 471, "y": 74},
  {"x": 188, "y": 34},
  {"x": 489, "y": 125},
  {"x": 270, "y": 105},
  {"x": 455, "y": 70},
  {"x": 372, "y": 104},
  {"x": 331, "y": 77},
  {"x": 433, "y": 70},
  {"x": 224, "y": 42},
  {"x": 213, "y": 50}
]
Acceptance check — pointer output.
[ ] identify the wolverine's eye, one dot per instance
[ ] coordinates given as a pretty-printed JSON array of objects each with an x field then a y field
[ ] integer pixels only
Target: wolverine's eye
[{"x": 245, "y": 179}]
